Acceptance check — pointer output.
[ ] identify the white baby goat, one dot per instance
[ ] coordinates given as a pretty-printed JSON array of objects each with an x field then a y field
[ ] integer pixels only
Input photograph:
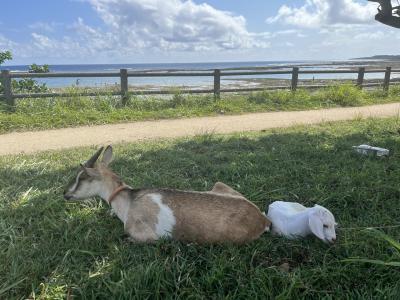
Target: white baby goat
[{"x": 293, "y": 220}]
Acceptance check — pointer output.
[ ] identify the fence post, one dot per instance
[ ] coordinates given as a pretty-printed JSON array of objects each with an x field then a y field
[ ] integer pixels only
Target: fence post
[
  {"x": 360, "y": 79},
  {"x": 10, "y": 100},
  {"x": 295, "y": 78},
  {"x": 386, "y": 81},
  {"x": 124, "y": 85},
  {"x": 217, "y": 84}
]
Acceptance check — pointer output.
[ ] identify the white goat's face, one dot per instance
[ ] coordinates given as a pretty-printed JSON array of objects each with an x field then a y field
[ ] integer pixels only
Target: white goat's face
[{"x": 322, "y": 224}]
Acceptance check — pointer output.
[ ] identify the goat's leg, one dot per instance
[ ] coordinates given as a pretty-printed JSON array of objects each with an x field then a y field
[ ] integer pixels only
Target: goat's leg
[{"x": 140, "y": 232}]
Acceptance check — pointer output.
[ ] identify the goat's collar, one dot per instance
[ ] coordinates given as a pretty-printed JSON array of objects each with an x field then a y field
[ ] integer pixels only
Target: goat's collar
[{"x": 116, "y": 192}]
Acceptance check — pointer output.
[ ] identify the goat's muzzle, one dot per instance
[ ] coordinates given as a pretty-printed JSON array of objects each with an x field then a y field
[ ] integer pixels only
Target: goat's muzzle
[{"x": 67, "y": 197}]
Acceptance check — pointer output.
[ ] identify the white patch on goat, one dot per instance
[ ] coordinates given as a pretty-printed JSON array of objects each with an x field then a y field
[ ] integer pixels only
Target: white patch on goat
[
  {"x": 72, "y": 189},
  {"x": 165, "y": 218}
]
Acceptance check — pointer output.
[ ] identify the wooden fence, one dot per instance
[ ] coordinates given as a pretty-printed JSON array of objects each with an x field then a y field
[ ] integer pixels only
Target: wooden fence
[{"x": 123, "y": 75}]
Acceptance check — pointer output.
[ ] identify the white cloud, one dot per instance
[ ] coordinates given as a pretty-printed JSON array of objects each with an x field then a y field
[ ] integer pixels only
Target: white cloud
[
  {"x": 175, "y": 25},
  {"x": 42, "y": 42},
  {"x": 6, "y": 44},
  {"x": 94, "y": 39},
  {"x": 182, "y": 30},
  {"x": 354, "y": 42},
  {"x": 315, "y": 13},
  {"x": 43, "y": 46},
  {"x": 370, "y": 36},
  {"x": 139, "y": 27},
  {"x": 44, "y": 26}
]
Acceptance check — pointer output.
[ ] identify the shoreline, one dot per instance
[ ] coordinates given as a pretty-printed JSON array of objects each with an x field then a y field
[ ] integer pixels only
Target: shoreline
[{"x": 232, "y": 83}]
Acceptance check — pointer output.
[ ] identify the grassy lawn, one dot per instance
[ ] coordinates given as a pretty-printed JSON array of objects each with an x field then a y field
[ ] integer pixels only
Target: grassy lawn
[
  {"x": 32, "y": 114},
  {"x": 51, "y": 249}
]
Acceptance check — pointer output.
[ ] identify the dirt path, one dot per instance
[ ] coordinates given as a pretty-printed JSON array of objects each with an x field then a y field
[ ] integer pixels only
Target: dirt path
[{"x": 30, "y": 142}]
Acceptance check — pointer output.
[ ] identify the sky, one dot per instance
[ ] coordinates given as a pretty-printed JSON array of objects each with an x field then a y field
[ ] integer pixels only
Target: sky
[{"x": 158, "y": 31}]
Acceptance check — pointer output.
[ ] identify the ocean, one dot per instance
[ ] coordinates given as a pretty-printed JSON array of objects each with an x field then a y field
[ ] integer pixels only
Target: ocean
[{"x": 185, "y": 81}]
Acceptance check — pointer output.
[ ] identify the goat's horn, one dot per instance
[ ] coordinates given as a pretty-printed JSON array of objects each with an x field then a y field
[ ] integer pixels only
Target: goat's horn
[{"x": 90, "y": 163}]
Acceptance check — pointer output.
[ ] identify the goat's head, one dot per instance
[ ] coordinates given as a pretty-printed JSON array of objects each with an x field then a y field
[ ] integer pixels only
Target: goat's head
[
  {"x": 322, "y": 224},
  {"x": 92, "y": 177}
]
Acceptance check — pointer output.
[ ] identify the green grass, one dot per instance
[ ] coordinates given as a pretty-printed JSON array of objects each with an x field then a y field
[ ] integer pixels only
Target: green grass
[
  {"x": 395, "y": 248},
  {"x": 32, "y": 114},
  {"x": 52, "y": 249}
]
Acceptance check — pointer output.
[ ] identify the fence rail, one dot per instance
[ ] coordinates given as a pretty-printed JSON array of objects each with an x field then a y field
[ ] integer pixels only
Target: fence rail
[{"x": 217, "y": 74}]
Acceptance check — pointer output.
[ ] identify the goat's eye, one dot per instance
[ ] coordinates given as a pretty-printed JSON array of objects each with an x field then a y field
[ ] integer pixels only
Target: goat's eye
[{"x": 326, "y": 226}]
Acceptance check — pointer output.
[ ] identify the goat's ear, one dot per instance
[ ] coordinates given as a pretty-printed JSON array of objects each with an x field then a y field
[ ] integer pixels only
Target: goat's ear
[
  {"x": 107, "y": 155},
  {"x": 316, "y": 226},
  {"x": 90, "y": 163},
  {"x": 91, "y": 171}
]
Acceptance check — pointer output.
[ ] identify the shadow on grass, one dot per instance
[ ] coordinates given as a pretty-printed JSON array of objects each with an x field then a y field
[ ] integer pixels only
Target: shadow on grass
[{"x": 53, "y": 248}]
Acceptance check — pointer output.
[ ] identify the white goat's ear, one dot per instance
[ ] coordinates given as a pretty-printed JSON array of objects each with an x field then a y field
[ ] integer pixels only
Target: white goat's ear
[
  {"x": 316, "y": 226},
  {"x": 107, "y": 155}
]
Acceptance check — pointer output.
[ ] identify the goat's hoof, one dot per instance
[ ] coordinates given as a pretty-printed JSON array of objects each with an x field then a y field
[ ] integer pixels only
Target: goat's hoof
[
  {"x": 125, "y": 236},
  {"x": 131, "y": 240}
]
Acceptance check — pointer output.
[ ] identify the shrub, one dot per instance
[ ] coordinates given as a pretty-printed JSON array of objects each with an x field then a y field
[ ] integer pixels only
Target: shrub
[
  {"x": 279, "y": 97},
  {"x": 26, "y": 84},
  {"x": 178, "y": 100},
  {"x": 34, "y": 68},
  {"x": 258, "y": 97},
  {"x": 344, "y": 95},
  {"x": 394, "y": 91},
  {"x": 6, "y": 55}
]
